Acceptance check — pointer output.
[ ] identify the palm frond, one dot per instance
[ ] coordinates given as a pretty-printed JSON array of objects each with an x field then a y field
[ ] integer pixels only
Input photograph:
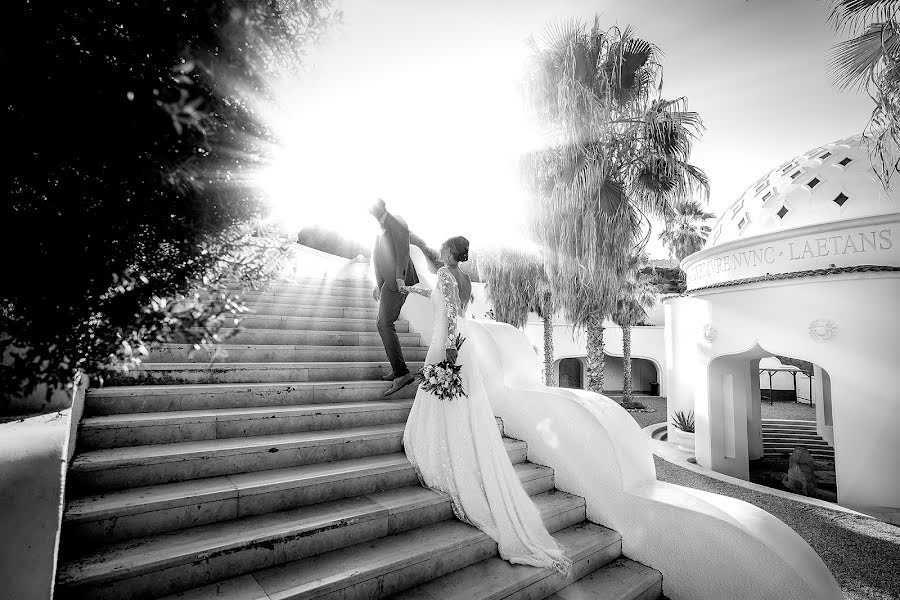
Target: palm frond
[
  {"x": 853, "y": 15},
  {"x": 854, "y": 62}
]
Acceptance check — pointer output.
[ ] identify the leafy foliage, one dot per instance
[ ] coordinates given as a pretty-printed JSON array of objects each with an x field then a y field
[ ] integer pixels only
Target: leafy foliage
[
  {"x": 617, "y": 153},
  {"x": 686, "y": 231},
  {"x": 131, "y": 129},
  {"x": 516, "y": 284},
  {"x": 870, "y": 60},
  {"x": 636, "y": 294},
  {"x": 682, "y": 421}
]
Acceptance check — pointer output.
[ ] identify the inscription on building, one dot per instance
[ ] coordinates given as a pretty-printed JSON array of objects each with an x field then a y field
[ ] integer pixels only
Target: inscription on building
[{"x": 790, "y": 255}]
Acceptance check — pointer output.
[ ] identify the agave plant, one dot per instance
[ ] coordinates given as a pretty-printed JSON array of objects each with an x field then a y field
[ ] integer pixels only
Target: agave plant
[
  {"x": 684, "y": 422},
  {"x": 617, "y": 153}
]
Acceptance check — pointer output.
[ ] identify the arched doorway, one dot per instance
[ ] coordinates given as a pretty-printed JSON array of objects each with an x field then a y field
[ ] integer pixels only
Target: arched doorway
[
  {"x": 643, "y": 373},
  {"x": 571, "y": 373},
  {"x": 731, "y": 430}
]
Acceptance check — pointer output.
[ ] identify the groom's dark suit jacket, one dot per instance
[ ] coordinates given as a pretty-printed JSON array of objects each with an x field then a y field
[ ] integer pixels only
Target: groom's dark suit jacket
[{"x": 391, "y": 255}]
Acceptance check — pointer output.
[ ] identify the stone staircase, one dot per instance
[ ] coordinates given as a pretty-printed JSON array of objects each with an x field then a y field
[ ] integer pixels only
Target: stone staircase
[
  {"x": 782, "y": 436},
  {"x": 278, "y": 472}
]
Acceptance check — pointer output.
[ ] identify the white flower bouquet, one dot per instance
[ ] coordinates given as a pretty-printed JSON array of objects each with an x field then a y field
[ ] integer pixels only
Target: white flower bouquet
[{"x": 443, "y": 379}]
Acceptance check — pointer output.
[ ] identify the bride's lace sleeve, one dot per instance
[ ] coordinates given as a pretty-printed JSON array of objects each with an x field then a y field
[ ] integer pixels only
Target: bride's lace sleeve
[
  {"x": 420, "y": 291},
  {"x": 447, "y": 285}
]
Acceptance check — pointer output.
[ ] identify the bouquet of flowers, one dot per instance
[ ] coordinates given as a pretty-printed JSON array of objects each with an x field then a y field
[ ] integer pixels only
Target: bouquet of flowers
[{"x": 443, "y": 379}]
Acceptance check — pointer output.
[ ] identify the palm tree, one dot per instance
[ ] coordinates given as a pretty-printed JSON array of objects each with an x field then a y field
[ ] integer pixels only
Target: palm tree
[
  {"x": 870, "y": 60},
  {"x": 617, "y": 154},
  {"x": 636, "y": 295},
  {"x": 516, "y": 284},
  {"x": 686, "y": 231}
]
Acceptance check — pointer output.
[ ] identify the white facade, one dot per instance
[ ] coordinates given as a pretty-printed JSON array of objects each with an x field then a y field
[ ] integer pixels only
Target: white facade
[{"x": 805, "y": 264}]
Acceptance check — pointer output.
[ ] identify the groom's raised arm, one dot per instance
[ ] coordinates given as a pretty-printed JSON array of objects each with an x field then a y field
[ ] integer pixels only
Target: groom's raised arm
[{"x": 400, "y": 238}]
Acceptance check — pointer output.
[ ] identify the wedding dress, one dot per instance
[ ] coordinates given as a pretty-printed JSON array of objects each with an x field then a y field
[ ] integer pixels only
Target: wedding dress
[{"x": 456, "y": 448}]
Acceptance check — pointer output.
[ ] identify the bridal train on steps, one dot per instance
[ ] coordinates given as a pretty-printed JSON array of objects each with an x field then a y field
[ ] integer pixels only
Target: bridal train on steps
[{"x": 456, "y": 448}]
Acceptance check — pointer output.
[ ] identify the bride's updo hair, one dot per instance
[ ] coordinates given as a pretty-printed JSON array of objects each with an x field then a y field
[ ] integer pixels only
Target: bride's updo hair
[{"x": 459, "y": 248}]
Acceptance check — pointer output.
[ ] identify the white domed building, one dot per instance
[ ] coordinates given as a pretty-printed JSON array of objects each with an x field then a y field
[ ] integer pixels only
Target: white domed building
[{"x": 805, "y": 264}]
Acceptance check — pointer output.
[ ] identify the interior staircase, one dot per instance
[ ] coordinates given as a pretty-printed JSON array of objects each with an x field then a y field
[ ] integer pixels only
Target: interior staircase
[
  {"x": 277, "y": 472},
  {"x": 782, "y": 436}
]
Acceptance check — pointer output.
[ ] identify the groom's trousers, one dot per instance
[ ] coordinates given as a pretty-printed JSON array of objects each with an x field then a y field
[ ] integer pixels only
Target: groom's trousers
[{"x": 388, "y": 312}]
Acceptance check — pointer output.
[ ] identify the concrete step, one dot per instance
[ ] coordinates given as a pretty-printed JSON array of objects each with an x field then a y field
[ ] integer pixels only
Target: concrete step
[
  {"x": 300, "y": 310},
  {"x": 784, "y": 440},
  {"x": 300, "y": 294},
  {"x": 799, "y": 433},
  {"x": 100, "y": 471},
  {"x": 289, "y": 299},
  {"x": 814, "y": 452},
  {"x": 365, "y": 285},
  {"x": 589, "y": 546},
  {"x": 622, "y": 579},
  {"x": 168, "y": 563},
  {"x": 789, "y": 422},
  {"x": 361, "y": 281},
  {"x": 139, "y": 429},
  {"x": 251, "y": 321},
  {"x": 162, "y": 398},
  {"x": 145, "y": 511},
  {"x": 395, "y": 563},
  {"x": 261, "y": 372},
  {"x": 311, "y": 338},
  {"x": 236, "y": 353}
]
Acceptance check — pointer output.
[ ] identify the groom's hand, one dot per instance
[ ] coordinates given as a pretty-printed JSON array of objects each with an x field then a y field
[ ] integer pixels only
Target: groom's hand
[
  {"x": 451, "y": 355},
  {"x": 376, "y": 293},
  {"x": 401, "y": 286}
]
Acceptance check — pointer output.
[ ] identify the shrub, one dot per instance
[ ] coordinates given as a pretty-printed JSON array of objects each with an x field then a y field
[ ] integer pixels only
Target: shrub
[{"x": 130, "y": 131}]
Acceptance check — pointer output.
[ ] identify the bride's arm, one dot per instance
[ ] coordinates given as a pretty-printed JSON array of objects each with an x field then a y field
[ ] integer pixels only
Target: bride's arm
[
  {"x": 420, "y": 291},
  {"x": 445, "y": 285}
]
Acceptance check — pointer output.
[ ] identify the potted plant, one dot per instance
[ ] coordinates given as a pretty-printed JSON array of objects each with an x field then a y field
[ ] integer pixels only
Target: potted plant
[
  {"x": 683, "y": 432},
  {"x": 654, "y": 388}
]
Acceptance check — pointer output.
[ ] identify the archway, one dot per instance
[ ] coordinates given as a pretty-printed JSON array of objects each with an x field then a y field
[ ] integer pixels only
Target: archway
[
  {"x": 643, "y": 373},
  {"x": 571, "y": 373},
  {"x": 730, "y": 426}
]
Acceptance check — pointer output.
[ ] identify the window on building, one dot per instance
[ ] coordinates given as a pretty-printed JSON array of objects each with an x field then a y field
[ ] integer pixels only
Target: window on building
[
  {"x": 813, "y": 182},
  {"x": 767, "y": 196},
  {"x": 841, "y": 198},
  {"x": 845, "y": 161},
  {"x": 788, "y": 167},
  {"x": 742, "y": 223},
  {"x": 796, "y": 174},
  {"x": 782, "y": 211},
  {"x": 824, "y": 156}
]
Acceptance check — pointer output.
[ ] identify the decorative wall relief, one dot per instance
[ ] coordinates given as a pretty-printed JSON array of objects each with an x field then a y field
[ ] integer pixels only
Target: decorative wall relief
[
  {"x": 710, "y": 333},
  {"x": 822, "y": 330}
]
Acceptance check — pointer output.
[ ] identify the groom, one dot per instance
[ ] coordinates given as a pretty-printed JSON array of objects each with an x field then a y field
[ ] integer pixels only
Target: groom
[{"x": 393, "y": 267}]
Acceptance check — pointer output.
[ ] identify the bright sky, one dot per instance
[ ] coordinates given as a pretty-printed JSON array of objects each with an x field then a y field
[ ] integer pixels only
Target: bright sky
[{"x": 416, "y": 101}]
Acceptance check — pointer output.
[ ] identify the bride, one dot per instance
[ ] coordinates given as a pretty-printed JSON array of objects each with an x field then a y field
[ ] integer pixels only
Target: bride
[{"x": 455, "y": 446}]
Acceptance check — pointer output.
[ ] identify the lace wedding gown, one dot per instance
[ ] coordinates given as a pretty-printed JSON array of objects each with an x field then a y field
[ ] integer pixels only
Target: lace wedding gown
[{"x": 456, "y": 448}]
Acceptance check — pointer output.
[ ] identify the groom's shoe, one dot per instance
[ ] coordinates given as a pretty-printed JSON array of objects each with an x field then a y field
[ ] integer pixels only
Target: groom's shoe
[
  {"x": 400, "y": 383},
  {"x": 389, "y": 377}
]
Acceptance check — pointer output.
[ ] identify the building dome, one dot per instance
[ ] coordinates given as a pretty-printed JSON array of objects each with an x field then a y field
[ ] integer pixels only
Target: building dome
[{"x": 830, "y": 183}]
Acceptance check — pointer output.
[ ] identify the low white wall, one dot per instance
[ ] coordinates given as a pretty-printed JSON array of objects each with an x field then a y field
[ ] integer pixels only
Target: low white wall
[
  {"x": 34, "y": 457},
  {"x": 708, "y": 547}
]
